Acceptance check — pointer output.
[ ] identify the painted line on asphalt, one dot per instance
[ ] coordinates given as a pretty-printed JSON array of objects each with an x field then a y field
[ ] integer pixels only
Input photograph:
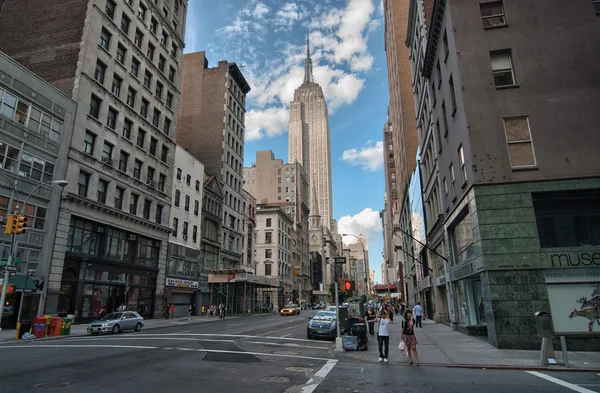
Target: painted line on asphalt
[
  {"x": 146, "y": 338},
  {"x": 293, "y": 345},
  {"x": 560, "y": 382},
  {"x": 286, "y": 335},
  {"x": 320, "y": 375},
  {"x": 181, "y": 349},
  {"x": 235, "y": 324},
  {"x": 231, "y": 335}
]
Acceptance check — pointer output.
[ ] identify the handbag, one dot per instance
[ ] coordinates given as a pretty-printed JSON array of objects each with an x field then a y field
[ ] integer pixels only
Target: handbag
[{"x": 402, "y": 346}]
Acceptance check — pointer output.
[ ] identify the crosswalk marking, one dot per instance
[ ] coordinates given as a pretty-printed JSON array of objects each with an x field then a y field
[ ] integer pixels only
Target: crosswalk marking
[{"x": 560, "y": 382}]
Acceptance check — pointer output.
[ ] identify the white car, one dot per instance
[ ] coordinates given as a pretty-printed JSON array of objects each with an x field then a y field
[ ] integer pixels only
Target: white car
[{"x": 116, "y": 322}]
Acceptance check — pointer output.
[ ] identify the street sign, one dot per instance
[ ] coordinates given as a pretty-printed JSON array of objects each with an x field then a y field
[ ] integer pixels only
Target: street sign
[
  {"x": 340, "y": 260},
  {"x": 11, "y": 268},
  {"x": 31, "y": 272},
  {"x": 12, "y": 274}
]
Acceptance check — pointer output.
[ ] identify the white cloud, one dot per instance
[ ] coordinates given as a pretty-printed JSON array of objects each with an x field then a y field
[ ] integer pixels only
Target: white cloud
[
  {"x": 271, "y": 121},
  {"x": 363, "y": 63},
  {"x": 260, "y": 10},
  {"x": 369, "y": 157},
  {"x": 286, "y": 17},
  {"x": 367, "y": 222}
]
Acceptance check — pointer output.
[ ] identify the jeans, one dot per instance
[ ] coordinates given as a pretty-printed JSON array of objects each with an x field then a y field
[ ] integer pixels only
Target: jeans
[
  {"x": 371, "y": 328},
  {"x": 419, "y": 321},
  {"x": 383, "y": 340}
]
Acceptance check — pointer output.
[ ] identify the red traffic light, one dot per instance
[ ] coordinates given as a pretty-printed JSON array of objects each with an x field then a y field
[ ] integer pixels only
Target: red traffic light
[{"x": 347, "y": 285}]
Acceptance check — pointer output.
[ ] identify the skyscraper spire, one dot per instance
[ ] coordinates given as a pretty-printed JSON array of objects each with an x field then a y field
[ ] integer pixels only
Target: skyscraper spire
[{"x": 308, "y": 76}]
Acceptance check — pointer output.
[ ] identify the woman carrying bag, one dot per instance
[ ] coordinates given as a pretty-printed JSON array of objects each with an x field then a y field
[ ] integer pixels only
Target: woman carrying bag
[{"x": 408, "y": 336}]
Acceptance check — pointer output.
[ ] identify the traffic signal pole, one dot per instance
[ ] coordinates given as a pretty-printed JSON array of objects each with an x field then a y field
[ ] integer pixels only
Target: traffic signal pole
[
  {"x": 339, "y": 346},
  {"x": 5, "y": 281}
]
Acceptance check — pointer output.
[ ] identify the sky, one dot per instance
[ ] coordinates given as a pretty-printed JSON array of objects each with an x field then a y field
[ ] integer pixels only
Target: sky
[{"x": 267, "y": 39}]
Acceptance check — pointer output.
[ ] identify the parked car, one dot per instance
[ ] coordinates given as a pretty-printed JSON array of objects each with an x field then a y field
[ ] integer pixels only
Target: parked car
[
  {"x": 290, "y": 309},
  {"x": 322, "y": 324},
  {"x": 116, "y": 322}
]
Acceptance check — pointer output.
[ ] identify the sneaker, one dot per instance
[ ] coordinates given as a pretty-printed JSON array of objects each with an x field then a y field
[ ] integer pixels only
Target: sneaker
[
  {"x": 380, "y": 360},
  {"x": 385, "y": 360}
]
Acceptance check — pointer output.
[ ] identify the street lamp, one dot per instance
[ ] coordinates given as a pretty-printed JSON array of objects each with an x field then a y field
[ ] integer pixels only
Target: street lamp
[
  {"x": 364, "y": 259},
  {"x": 19, "y": 210}
]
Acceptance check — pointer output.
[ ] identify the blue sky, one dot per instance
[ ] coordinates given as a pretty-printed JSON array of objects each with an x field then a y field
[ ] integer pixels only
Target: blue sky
[{"x": 267, "y": 38}]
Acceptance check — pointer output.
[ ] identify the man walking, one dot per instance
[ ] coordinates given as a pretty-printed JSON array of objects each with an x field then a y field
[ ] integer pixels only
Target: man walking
[{"x": 419, "y": 314}]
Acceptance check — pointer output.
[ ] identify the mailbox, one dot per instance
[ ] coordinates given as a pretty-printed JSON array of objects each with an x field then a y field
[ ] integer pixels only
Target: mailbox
[{"x": 543, "y": 324}]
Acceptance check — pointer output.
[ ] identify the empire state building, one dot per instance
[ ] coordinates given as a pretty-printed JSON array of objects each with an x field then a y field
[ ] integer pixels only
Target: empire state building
[{"x": 309, "y": 142}]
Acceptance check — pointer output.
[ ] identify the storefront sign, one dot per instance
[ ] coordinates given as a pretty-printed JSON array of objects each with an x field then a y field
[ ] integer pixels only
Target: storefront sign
[
  {"x": 462, "y": 271},
  {"x": 179, "y": 283},
  {"x": 562, "y": 276},
  {"x": 441, "y": 280},
  {"x": 575, "y": 259}
]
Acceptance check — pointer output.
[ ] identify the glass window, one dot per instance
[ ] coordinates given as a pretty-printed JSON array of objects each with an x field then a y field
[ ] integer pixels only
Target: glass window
[
  {"x": 102, "y": 190},
  {"x": 520, "y": 145},
  {"x": 121, "y": 52},
  {"x": 125, "y": 22},
  {"x": 502, "y": 68},
  {"x": 105, "y": 37},
  {"x": 83, "y": 184},
  {"x": 133, "y": 203},
  {"x": 95, "y": 103},
  {"x": 492, "y": 14}
]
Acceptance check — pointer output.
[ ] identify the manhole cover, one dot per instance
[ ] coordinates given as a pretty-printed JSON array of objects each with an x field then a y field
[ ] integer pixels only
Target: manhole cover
[
  {"x": 289, "y": 353},
  {"x": 51, "y": 385},
  {"x": 275, "y": 379},
  {"x": 299, "y": 369}
]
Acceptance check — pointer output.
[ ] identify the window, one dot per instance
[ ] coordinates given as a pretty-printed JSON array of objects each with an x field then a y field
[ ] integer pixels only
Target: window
[
  {"x": 268, "y": 222},
  {"x": 133, "y": 203},
  {"x": 155, "y": 117},
  {"x": 444, "y": 118},
  {"x": 445, "y": 186},
  {"x": 164, "y": 38},
  {"x": 445, "y": 46},
  {"x": 167, "y": 126},
  {"x": 83, "y": 184},
  {"x": 141, "y": 138},
  {"x": 123, "y": 161},
  {"x": 165, "y": 12},
  {"x": 172, "y": 74},
  {"x": 164, "y": 153},
  {"x": 175, "y": 225},
  {"x": 95, "y": 103},
  {"x": 144, "y": 108},
  {"x": 520, "y": 145},
  {"x": 110, "y": 8},
  {"x": 105, "y": 37},
  {"x": 174, "y": 49},
  {"x": 147, "y": 79},
  {"x": 169, "y": 100},
  {"x": 146, "y": 209},
  {"x": 111, "y": 118},
  {"x": 137, "y": 169},
  {"x": 184, "y": 229},
  {"x": 195, "y": 234},
  {"x": 119, "y": 192},
  {"x": 268, "y": 269},
  {"x": 131, "y": 97},
  {"x": 153, "y": 144},
  {"x": 125, "y": 22},
  {"x": 161, "y": 63},
  {"x": 174, "y": 24},
  {"x": 150, "y": 52},
  {"x": 150, "y": 176},
  {"x": 142, "y": 11},
  {"x": 596, "y": 4},
  {"x": 196, "y": 207},
  {"x": 568, "y": 219},
  {"x": 100, "y": 72},
  {"x": 188, "y": 179},
  {"x": 461, "y": 163},
  {"x": 162, "y": 179},
  {"x": 187, "y": 203},
  {"x": 135, "y": 66},
  {"x": 158, "y": 214},
  {"x": 502, "y": 68},
  {"x": 101, "y": 192},
  {"x": 153, "y": 25},
  {"x": 107, "y": 150},
  {"x": 439, "y": 74},
  {"x": 127, "y": 125},
  {"x": 268, "y": 253},
  {"x": 116, "y": 85},
  {"x": 88, "y": 143},
  {"x": 159, "y": 90},
  {"x": 451, "y": 169},
  {"x": 121, "y": 53},
  {"x": 198, "y": 185},
  {"x": 177, "y": 198},
  {"x": 452, "y": 95},
  {"x": 268, "y": 237},
  {"x": 35, "y": 168},
  {"x": 179, "y": 174},
  {"x": 492, "y": 14}
]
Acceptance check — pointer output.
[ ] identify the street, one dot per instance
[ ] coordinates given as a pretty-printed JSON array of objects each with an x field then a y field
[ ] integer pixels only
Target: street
[{"x": 249, "y": 354}]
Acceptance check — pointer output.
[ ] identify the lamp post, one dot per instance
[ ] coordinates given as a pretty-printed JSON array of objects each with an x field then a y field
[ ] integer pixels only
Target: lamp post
[
  {"x": 19, "y": 210},
  {"x": 364, "y": 260}
]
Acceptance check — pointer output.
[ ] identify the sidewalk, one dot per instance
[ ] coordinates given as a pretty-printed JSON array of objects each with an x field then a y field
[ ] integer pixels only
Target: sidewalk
[
  {"x": 81, "y": 329},
  {"x": 439, "y": 345}
]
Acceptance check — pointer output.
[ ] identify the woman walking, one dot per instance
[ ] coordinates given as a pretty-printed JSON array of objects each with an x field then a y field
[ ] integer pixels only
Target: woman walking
[
  {"x": 408, "y": 336},
  {"x": 383, "y": 336},
  {"x": 371, "y": 316}
]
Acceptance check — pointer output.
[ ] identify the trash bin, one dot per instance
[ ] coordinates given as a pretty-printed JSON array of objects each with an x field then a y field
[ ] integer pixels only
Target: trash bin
[
  {"x": 55, "y": 326},
  {"x": 66, "y": 327},
  {"x": 39, "y": 327},
  {"x": 25, "y": 327},
  {"x": 359, "y": 330}
]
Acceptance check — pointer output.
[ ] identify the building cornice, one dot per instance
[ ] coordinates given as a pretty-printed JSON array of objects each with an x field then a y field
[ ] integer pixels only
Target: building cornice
[
  {"x": 437, "y": 18},
  {"x": 412, "y": 16}
]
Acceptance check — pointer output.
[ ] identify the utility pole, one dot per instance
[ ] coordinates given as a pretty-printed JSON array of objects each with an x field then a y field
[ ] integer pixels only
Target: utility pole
[{"x": 339, "y": 346}]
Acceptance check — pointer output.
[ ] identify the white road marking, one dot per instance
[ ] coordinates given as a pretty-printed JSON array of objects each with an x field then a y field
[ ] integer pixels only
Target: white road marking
[
  {"x": 286, "y": 335},
  {"x": 234, "y": 324},
  {"x": 230, "y": 335},
  {"x": 183, "y": 349},
  {"x": 560, "y": 382},
  {"x": 147, "y": 338},
  {"x": 288, "y": 345},
  {"x": 320, "y": 375}
]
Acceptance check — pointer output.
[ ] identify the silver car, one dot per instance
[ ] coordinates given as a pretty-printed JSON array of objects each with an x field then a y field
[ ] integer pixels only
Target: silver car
[{"x": 115, "y": 322}]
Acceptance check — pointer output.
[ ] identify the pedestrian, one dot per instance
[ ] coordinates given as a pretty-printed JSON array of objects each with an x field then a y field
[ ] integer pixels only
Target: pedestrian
[
  {"x": 402, "y": 309},
  {"x": 211, "y": 312},
  {"x": 419, "y": 314},
  {"x": 172, "y": 310},
  {"x": 383, "y": 336},
  {"x": 408, "y": 336},
  {"x": 203, "y": 310},
  {"x": 190, "y": 311},
  {"x": 371, "y": 316},
  {"x": 167, "y": 310}
]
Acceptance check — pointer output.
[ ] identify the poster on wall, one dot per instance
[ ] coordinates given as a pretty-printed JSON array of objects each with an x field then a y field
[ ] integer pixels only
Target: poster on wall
[{"x": 574, "y": 296}]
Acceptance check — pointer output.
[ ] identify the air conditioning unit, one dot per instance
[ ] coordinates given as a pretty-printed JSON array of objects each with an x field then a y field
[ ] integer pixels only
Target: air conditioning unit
[
  {"x": 132, "y": 237},
  {"x": 150, "y": 183},
  {"x": 185, "y": 237},
  {"x": 107, "y": 161}
]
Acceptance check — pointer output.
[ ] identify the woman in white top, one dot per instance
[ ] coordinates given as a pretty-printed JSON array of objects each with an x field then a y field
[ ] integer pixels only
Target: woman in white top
[{"x": 383, "y": 336}]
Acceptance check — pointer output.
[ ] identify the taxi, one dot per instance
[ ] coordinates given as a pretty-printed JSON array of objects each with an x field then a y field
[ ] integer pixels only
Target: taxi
[{"x": 290, "y": 309}]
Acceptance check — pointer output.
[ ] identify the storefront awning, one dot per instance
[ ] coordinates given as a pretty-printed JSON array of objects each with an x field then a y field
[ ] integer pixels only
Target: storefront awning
[{"x": 22, "y": 283}]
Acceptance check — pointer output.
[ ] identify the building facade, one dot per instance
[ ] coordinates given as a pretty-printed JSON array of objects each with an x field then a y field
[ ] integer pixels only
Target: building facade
[
  {"x": 211, "y": 128},
  {"x": 36, "y": 122},
  {"x": 183, "y": 285},
  {"x": 212, "y": 210},
  {"x": 121, "y": 62},
  {"x": 309, "y": 141},
  {"x": 249, "y": 225},
  {"x": 519, "y": 176}
]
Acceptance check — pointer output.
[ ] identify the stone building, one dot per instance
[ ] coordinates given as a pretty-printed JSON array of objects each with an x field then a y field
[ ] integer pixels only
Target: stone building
[
  {"x": 120, "y": 61},
  {"x": 249, "y": 226}
]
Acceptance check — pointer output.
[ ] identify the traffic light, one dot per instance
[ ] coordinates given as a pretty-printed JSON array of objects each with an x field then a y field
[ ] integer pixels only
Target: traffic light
[
  {"x": 20, "y": 224},
  {"x": 10, "y": 224},
  {"x": 348, "y": 285}
]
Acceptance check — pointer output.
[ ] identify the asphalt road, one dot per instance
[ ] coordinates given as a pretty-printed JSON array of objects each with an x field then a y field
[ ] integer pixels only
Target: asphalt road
[{"x": 251, "y": 354}]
